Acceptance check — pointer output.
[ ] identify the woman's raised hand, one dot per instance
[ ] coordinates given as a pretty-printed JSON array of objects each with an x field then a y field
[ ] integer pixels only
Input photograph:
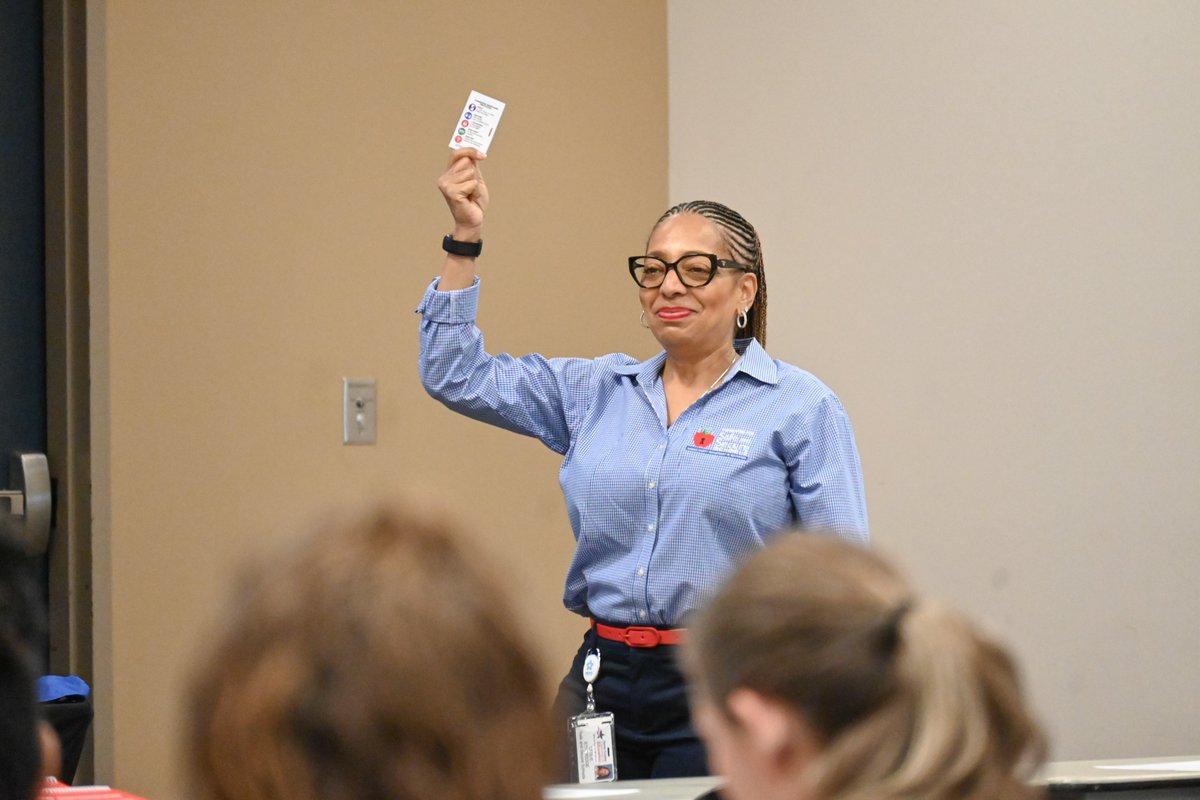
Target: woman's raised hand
[{"x": 465, "y": 192}]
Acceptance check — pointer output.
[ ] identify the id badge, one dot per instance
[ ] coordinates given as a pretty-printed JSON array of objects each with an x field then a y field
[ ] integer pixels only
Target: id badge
[
  {"x": 593, "y": 753},
  {"x": 592, "y": 733}
]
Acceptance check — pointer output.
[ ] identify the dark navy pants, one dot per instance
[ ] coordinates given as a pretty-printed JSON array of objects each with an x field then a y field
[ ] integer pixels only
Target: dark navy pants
[{"x": 645, "y": 690}]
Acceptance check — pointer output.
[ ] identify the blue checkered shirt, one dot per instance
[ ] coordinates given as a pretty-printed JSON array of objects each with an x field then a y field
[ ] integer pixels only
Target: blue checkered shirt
[{"x": 660, "y": 514}]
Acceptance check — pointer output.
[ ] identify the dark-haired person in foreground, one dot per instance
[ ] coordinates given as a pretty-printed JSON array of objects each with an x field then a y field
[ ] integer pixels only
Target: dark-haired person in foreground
[
  {"x": 674, "y": 468},
  {"x": 20, "y": 746},
  {"x": 819, "y": 674},
  {"x": 28, "y": 746},
  {"x": 376, "y": 658}
]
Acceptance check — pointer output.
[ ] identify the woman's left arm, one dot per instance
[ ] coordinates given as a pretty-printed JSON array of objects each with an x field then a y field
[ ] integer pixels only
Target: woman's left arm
[{"x": 825, "y": 475}]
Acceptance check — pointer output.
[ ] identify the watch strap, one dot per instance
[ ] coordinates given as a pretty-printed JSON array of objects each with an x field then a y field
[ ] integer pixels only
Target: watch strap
[{"x": 455, "y": 247}]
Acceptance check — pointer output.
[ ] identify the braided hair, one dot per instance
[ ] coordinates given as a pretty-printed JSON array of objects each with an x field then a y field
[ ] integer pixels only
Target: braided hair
[{"x": 746, "y": 248}]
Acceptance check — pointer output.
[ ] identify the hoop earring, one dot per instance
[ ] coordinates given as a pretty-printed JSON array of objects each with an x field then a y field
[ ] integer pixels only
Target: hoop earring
[
  {"x": 642, "y": 319},
  {"x": 743, "y": 318}
]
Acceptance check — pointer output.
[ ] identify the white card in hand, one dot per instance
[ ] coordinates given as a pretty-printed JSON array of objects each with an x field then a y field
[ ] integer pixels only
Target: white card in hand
[{"x": 477, "y": 125}]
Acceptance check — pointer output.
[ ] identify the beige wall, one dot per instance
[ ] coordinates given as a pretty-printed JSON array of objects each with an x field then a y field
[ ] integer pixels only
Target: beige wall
[
  {"x": 980, "y": 227},
  {"x": 264, "y": 220}
]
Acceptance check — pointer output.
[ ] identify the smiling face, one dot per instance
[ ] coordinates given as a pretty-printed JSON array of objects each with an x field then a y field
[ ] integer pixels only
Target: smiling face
[{"x": 694, "y": 322}]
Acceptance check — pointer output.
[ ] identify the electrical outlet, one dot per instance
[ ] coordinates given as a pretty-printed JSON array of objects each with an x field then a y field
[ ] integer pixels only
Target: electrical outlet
[{"x": 358, "y": 411}]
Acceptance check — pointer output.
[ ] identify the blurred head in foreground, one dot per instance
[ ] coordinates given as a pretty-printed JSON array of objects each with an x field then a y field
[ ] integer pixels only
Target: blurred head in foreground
[
  {"x": 375, "y": 660},
  {"x": 818, "y": 673},
  {"x": 28, "y": 746}
]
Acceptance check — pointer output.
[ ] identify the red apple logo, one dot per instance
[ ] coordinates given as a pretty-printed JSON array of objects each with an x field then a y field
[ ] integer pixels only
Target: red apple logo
[{"x": 703, "y": 438}]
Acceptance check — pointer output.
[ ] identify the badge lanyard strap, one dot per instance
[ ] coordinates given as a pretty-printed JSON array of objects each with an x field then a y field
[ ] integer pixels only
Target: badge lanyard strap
[{"x": 591, "y": 668}]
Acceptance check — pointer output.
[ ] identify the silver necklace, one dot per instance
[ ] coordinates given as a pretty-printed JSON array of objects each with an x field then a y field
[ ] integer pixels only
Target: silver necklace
[{"x": 723, "y": 374}]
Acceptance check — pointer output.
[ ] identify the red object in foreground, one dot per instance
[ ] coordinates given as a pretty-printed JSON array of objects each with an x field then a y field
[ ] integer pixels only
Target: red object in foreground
[{"x": 54, "y": 789}]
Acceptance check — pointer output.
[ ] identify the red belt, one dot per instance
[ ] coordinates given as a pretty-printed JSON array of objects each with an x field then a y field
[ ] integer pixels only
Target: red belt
[{"x": 640, "y": 635}]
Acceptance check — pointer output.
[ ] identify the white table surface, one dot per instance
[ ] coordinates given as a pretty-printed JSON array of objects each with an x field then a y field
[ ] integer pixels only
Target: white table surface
[
  {"x": 1160, "y": 769},
  {"x": 1110, "y": 773},
  {"x": 662, "y": 789}
]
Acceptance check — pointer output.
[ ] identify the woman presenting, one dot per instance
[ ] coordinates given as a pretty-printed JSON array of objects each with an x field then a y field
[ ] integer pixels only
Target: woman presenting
[{"x": 674, "y": 469}]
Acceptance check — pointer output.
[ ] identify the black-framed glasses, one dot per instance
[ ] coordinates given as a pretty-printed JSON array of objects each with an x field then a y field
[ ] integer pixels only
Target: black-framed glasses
[{"x": 694, "y": 270}]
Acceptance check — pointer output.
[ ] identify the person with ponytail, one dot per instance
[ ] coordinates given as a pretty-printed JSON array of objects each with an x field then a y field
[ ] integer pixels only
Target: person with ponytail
[
  {"x": 674, "y": 468},
  {"x": 818, "y": 674}
]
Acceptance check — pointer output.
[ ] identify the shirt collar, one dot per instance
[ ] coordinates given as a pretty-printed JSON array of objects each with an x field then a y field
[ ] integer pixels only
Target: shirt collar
[{"x": 755, "y": 362}]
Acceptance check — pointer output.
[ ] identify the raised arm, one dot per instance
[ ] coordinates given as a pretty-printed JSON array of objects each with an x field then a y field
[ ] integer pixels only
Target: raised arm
[
  {"x": 531, "y": 394},
  {"x": 466, "y": 194}
]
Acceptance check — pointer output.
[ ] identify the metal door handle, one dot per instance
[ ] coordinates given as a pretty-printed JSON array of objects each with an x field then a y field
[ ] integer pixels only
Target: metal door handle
[{"x": 28, "y": 518}]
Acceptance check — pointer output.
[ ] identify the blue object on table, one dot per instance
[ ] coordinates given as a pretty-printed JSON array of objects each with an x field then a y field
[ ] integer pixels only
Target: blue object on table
[{"x": 56, "y": 687}]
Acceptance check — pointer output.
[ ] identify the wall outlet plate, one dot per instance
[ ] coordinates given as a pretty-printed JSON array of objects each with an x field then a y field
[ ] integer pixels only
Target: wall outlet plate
[{"x": 358, "y": 410}]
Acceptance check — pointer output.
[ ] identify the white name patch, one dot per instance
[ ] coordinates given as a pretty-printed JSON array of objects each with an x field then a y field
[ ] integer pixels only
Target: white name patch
[{"x": 731, "y": 442}]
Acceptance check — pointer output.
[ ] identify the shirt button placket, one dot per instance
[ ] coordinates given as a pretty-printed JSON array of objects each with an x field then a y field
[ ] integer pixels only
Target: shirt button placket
[{"x": 653, "y": 507}]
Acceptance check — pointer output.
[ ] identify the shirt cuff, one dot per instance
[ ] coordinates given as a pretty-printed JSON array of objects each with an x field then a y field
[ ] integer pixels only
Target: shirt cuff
[{"x": 457, "y": 306}]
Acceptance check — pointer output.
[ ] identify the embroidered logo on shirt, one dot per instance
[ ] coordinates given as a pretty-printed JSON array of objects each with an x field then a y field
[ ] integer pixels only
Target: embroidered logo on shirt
[{"x": 731, "y": 442}]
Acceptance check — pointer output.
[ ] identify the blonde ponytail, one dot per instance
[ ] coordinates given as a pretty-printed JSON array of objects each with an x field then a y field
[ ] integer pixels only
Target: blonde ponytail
[
  {"x": 908, "y": 698},
  {"x": 958, "y": 712}
]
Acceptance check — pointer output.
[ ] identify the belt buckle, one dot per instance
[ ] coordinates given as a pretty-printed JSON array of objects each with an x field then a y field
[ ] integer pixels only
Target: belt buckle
[{"x": 641, "y": 636}]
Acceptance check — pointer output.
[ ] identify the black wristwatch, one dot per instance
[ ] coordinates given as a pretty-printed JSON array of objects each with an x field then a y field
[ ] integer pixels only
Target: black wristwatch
[{"x": 456, "y": 248}]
